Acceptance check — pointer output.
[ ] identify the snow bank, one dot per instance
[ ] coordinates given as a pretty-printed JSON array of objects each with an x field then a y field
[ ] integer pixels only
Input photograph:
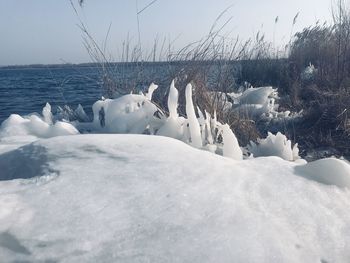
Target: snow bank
[
  {"x": 275, "y": 145},
  {"x": 330, "y": 171},
  {"x": 34, "y": 125},
  {"x": 125, "y": 198}
]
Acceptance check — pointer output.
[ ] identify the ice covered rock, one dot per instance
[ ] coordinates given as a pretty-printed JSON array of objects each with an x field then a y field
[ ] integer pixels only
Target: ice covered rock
[{"x": 128, "y": 114}]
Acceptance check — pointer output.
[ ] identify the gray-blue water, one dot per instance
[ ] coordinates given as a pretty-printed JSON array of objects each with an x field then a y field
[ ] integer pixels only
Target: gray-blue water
[{"x": 25, "y": 90}]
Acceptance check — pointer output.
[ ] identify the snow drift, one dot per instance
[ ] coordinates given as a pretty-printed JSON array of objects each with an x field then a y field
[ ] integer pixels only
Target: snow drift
[
  {"x": 137, "y": 198},
  {"x": 329, "y": 171},
  {"x": 34, "y": 125}
]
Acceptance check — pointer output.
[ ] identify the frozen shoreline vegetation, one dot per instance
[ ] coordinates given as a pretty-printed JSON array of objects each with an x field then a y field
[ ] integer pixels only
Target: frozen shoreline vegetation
[
  {"x": 78, "y": 194},
  {"x": 138, "y": 114}
]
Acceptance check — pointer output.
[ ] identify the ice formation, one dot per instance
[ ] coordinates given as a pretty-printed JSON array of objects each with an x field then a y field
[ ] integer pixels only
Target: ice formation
[
  {"x": 128, "y": 114},
  {"x": 173, "y": 101},
  {"x": 230, "y": 147},
  {"x": 16, "y": 125},
  {"x": 174, "y": 125},
  {"x": 137, "y": 114},
  {"x": 193, "y": 123},
  {"x": 80, "y": 114},
  {"x": 47, "y": 114},
  {"x": 275, "y": 145},
  {"x": 151, "y": 89},
  {"x": 257, "y": 95},
  {"x": 260, "y": 104},
  {"x": 309, "y": 72}
]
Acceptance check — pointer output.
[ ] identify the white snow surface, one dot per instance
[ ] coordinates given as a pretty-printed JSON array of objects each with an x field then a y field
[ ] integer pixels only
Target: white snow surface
[{"x": 138, "y": 198}]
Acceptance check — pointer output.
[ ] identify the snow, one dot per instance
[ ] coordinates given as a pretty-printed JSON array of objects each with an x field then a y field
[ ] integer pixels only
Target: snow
[
  {"x": 34, "y": 125},
  {"x": 329, "y": 171},
  {"x": 141, "y": 198}
]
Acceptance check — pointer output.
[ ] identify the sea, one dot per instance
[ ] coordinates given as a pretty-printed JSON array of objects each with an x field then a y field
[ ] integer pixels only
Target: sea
[{"x": 26, "y": 89}]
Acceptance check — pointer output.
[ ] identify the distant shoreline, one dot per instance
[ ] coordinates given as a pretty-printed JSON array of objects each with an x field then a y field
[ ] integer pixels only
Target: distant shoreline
[{"x": 95, "y": 64}]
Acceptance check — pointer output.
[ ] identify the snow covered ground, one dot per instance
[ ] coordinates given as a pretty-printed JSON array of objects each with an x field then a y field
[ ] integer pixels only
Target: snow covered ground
[{"x": 138, "y": 198}]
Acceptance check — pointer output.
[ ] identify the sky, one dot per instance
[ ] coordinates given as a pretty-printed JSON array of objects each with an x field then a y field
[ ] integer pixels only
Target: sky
[{"x": 46, "y": 31}]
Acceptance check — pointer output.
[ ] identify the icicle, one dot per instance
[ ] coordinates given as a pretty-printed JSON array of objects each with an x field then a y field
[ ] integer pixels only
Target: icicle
[
  {"x": 80, "y": 114},
  {"x": 202, "y": 122},
  {"x": 195, "y": 131},
  {"x": 200, "y": 113},
  {"x": 295, "y": 151},
  {"x": 214, "y": 125},
  {"x": 151, "y": 89},
  {"x": 231, "y": 147},
  {"x": 173, "y": 100},
  {"x": 208, "y": 128}
]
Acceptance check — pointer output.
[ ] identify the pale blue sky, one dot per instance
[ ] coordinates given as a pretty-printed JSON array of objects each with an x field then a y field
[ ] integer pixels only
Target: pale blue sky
[{"x": 45, "y": 31}]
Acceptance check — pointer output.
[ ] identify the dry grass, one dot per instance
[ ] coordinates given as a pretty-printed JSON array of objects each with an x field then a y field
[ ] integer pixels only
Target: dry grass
[{"x": 219, "y": 62}]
